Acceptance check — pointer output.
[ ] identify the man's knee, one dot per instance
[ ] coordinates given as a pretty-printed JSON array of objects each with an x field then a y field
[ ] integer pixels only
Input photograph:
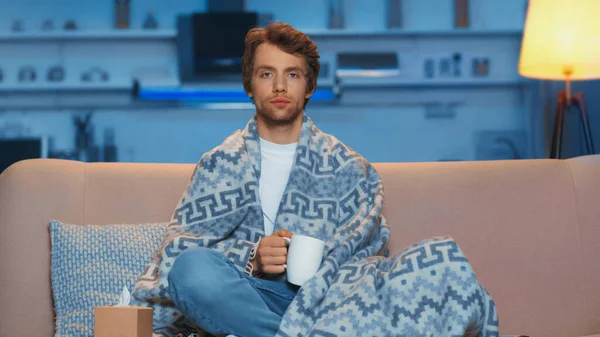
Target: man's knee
[{"x": 193, "y": 275}]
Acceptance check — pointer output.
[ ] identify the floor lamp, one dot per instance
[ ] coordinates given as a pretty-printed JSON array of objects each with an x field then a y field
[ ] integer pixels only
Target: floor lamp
[{"x": 561, "y": 41}]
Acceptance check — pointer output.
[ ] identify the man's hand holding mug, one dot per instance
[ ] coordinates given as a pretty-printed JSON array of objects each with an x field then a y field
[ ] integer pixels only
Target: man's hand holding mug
[
  {"x": 271, "y": 255},
  {"x": 301, "y": 261}
]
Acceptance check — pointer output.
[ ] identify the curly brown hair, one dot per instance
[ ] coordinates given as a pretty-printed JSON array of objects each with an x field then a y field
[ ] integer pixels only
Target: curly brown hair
[{"x": 287, "y": 39}]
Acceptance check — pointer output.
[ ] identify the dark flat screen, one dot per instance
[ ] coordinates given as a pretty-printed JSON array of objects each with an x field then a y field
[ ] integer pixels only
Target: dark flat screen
[
  {"x": 14, "y": 150},
  {"x": 219, "y": 40}
]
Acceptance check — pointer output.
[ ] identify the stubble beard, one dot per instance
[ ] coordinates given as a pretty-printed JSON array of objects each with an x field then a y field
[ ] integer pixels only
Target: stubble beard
[{"x": 279, "y": 117}]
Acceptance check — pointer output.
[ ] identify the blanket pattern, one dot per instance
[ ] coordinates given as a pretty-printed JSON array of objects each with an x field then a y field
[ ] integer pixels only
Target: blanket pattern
[{"x": 333, "y": 194}]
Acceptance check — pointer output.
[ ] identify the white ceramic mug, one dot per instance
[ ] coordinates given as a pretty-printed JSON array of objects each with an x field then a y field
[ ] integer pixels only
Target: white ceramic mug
[{"x": 303, "y": 258}]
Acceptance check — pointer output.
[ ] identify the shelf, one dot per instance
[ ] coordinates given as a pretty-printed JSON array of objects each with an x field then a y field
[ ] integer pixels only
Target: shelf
[
  {"x": 82, "y": 35},
  {"x": 214, "y": 93},
  {"x": 405, "y": 83},
  {"x": 333, "y": 33},
  {"x": 51, "y": 87},
  {"x": 72, "y": 95},
  {"x": 167, "y": 34},
  {"x": 323, "y": 94},
  {"x": 210, "y": 95}
]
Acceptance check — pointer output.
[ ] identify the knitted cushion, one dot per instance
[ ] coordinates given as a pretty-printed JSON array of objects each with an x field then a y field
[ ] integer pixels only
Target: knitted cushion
[{"x": 90, "y": 266}]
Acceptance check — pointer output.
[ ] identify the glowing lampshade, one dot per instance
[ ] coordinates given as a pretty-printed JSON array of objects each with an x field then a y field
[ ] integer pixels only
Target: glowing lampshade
[{"x": 561, "y": 40}]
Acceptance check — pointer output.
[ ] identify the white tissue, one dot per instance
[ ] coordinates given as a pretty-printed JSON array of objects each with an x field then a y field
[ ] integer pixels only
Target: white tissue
[{"x": 124, "y": 298}]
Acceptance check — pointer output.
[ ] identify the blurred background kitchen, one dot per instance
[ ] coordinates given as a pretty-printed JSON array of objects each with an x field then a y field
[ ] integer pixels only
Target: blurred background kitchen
[{"x": 159, "y": 80}]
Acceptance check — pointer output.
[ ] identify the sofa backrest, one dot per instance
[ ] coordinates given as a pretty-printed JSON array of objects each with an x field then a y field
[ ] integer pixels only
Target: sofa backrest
[{"x": 529, "y": 228}]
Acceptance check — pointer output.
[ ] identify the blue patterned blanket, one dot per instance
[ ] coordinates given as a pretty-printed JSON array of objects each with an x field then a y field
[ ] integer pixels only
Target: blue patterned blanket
[{"x": 333, "y": 194}]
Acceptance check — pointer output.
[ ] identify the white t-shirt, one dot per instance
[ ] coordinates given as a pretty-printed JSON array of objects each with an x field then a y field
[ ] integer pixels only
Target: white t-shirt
[{"x": 275, "y": 166}]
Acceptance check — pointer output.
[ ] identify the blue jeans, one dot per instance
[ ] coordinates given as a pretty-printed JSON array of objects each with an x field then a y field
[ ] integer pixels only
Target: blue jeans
[{"x": 211, "y": 292}]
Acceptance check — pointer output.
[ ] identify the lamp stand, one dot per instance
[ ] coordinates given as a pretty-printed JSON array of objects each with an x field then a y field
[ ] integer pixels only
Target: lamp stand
[{"x": 565, "y": 102}]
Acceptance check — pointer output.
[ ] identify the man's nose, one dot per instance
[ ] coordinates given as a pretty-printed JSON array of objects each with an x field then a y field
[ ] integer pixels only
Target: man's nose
[{"x": 279, "y": 84}]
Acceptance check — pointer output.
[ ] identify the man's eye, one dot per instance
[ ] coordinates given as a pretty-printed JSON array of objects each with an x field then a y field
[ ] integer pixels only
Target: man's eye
[
  {"x": 294, "y": 75},
  {"x": 265, "y": 75}
]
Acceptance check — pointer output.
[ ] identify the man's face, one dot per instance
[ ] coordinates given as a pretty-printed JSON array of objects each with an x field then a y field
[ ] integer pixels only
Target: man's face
[{"x": 278, "y": 85}]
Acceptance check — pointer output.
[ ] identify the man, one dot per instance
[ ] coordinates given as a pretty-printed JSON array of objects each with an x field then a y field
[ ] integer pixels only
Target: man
[
  {"x": 220, "y": 266},
  {"x": 280, "y": 83}
]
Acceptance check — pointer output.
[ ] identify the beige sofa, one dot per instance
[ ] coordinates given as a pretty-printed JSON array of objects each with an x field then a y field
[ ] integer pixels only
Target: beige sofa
[{"x": 530, "y": 228}]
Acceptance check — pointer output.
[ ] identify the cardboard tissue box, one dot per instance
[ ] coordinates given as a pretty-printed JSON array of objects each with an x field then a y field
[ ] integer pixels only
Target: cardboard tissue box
[{"x": 123, "y": 320}]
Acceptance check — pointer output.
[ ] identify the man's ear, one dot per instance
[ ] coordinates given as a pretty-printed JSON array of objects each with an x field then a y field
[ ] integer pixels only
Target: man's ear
[{"x": 310, "y": 93}]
